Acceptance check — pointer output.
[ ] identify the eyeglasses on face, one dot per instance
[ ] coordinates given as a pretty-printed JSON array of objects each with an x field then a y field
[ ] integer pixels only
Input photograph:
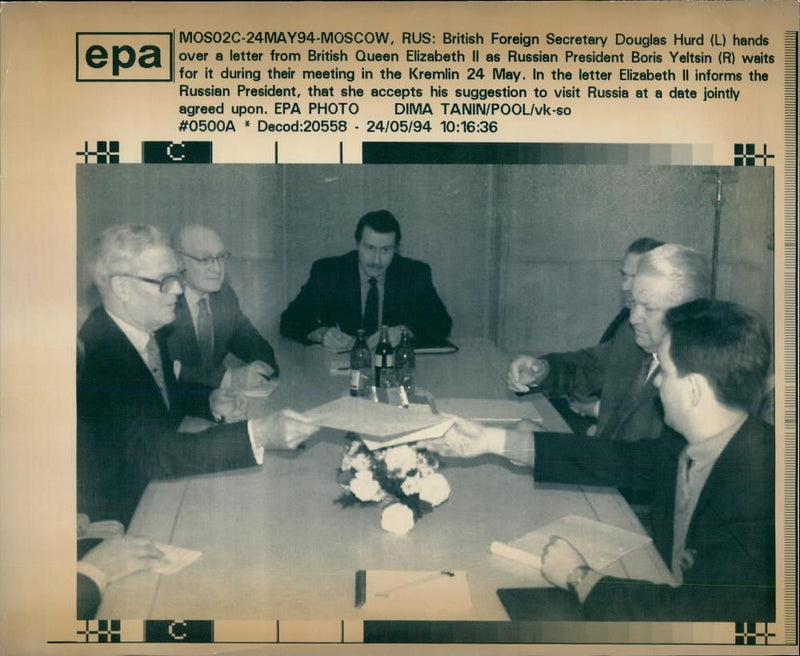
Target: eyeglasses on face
[
  {"x": 208, "y": 260},
  {"x": 169, "y": 284}
]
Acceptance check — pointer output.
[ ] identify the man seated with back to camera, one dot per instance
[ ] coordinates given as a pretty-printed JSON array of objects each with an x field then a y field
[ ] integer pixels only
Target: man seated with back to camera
[
  {"x": 712, "y": 478},
  {"x": 366, "y": 288},
  {"x": 129, "y": 402}
]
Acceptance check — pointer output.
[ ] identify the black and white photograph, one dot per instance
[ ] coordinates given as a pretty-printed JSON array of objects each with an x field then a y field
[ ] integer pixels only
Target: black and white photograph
[
  {"x": 562, "y": 396},
  {"x": 442, "y": 327}
]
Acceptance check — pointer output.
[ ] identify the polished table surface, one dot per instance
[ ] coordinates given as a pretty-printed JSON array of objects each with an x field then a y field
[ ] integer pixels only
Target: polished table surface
[{"x": 275, "y": 545}]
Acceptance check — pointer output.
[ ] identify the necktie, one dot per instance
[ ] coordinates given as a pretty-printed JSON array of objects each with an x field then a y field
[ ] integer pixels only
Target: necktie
[
  {"x": 625, "y": 405},
  {"x": 682, "y": 517},
  {"x": 154, "y": 360},
  {"x": 205, "y": 334},
  {"x": 370, "y": 323}
]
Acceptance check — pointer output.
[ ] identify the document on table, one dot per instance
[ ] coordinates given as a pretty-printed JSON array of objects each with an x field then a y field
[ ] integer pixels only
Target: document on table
[
  {"x": 601, "y": 544},
  {"x": 175, "y": 558},
  {"x": 379, "y": 424},
  {"x": 412, "y": 594},
  {"x": 489, "y": 410}
]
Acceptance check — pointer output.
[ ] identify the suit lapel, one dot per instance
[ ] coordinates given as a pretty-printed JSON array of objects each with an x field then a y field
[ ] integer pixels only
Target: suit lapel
[
  {"x": 134, "y": 371},
  {"x": 726, "y": 472},
  {"x": 350, "y": 320},
  {"x": 632, "y": 399},
  {"x": 391, "y": 292}
]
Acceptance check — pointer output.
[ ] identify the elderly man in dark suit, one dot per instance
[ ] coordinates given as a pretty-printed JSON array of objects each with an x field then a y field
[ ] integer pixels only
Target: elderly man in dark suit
[
  {"x": 621, "y": 371},
  {"x": 712, "y": 478},
  {"x": 129, "y": 403},
  {"x": 209, "y": 324},
  {"x": 366, "y": 288}
]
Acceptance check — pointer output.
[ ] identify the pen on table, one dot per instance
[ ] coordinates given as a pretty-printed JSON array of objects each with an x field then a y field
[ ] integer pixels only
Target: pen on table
[
  {"x": 403, "y": 397},
  {"x": 413, "y": 584}
]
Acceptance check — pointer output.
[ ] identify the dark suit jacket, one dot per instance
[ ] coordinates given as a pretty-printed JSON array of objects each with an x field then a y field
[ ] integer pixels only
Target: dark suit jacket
[
  {"x": 126, "y": 434},
  {"x": 731, "y": 534},
  {"x": 233, "y": 333},
  {"x": 332, "y": 296},
  {"x": 610, "y": 370},
  {"x": 622, "y": 317}
]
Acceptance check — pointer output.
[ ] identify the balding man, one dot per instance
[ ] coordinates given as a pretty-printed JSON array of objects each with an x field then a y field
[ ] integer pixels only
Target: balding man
[
  {"x": 209, "y": 324},
  {"x": 129, "y": 402},
  {"x": 621, "y": 370}
]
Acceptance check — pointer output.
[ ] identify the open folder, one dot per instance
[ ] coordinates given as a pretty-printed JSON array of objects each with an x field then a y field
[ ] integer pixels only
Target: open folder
[
  {"x": 379, "y": 424},
  {"x": 600, "y": 544}
]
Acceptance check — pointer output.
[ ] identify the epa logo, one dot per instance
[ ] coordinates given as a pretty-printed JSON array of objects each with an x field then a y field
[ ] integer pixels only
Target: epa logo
[{"x": 123, "y": 57}]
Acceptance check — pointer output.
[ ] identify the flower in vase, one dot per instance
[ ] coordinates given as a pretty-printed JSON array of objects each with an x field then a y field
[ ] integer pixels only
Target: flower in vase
[
  {"x": 365, "y": 487},
  {"x": 358, "y": 462},
  {"x": 412, "y": 485},
  {"x": 397, "y": 518},
  {"x": 434, "y": 489},
  {"x": 400, "y": 460}
]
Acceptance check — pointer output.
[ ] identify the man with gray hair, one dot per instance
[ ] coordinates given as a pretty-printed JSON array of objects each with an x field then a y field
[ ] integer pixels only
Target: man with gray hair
[
  {"x": 129, "y": 403},
  {"x": 621, "y": 370},
  {"x": 209, "y": 324}
]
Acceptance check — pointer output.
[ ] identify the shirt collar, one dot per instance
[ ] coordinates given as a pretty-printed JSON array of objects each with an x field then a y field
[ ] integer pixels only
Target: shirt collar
[
  {"x": 136, "y": 336},
  {"x": 192, "y": 295},
  {"x": 707, "y": 451},
  {"x": 365, "y": 277}
]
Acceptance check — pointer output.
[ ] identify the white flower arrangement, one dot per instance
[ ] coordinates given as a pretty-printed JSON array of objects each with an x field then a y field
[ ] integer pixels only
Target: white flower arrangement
[{"x": 404, "y": 477}]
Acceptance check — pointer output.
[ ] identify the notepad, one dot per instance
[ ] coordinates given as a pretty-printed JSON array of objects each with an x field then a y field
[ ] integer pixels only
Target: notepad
[
  {"x": 175, "y": 558},
  {"x": 600, "y": 544},
  {"x": 418, "y": 594}
]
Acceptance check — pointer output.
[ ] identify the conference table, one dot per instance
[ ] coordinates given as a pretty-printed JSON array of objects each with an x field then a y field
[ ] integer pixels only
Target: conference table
[{"x": 276, "y": 545}]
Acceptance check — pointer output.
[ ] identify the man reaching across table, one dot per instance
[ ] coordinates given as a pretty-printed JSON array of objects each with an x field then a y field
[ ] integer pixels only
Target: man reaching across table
[
  {"x": 588, "y": 407},
  {"x": 713, "y": 506},
  {"x": 129, "y": 402},
  {"x": 366, "y": 288},
  {"x": 621, "y": 370}
]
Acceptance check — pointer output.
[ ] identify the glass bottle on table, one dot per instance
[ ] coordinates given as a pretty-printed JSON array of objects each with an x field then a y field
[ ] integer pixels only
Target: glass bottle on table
[
  {"x": 405, "y": 362},
  {"x": 384, "y": 357},
  {"x": 360, "y": 366}
]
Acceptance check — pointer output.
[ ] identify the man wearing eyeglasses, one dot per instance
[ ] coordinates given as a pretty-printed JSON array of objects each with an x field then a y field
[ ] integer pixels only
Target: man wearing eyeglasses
[
  {"x": 129, "y": 403},
  {"x": 209, "y": 324}
]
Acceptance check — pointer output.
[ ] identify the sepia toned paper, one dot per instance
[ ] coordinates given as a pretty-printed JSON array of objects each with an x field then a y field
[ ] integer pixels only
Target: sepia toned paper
[{"x": 63, "y": 116}]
